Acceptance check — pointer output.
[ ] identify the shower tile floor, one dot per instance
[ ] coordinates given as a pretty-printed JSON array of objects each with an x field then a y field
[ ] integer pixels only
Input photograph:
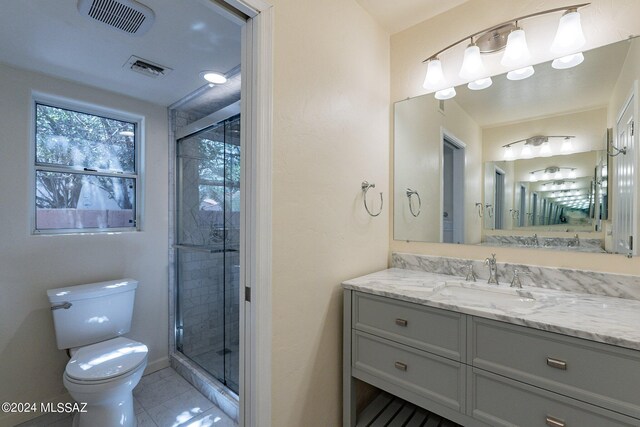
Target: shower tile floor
[
  {"x": 213, "y": 360},
  {"x": 161, "y": 399}
]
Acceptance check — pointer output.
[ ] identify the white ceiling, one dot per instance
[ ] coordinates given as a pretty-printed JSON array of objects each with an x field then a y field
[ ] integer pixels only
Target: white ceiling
[
  {"x": 188, "y": 36},
  {"x": 398, "y": 15},
  {"x": 587, "y": 86}
]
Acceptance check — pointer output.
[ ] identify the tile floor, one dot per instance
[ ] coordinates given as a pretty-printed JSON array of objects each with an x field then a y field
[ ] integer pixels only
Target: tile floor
[{"x": 161, "y": 399}]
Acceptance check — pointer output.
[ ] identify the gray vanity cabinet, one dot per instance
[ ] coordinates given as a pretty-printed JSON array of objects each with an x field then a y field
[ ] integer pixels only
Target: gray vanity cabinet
[{"x": 479, "y": 372}]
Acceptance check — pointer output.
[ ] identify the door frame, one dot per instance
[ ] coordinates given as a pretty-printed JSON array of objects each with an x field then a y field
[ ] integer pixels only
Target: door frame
[
  {"x": 631, "y": 101},
  {"x": 458, "y": 182},
  {"x": 256, "y": 205}
]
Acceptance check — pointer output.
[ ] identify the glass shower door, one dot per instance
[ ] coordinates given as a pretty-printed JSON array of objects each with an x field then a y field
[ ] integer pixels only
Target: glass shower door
[{"x": 208, "y": 249}]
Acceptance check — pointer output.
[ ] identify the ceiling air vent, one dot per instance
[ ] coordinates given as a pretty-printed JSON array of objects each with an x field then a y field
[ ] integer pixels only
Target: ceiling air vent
[
  {"x": 128, "y": 16},
  {"x": 147, "y": 68}
]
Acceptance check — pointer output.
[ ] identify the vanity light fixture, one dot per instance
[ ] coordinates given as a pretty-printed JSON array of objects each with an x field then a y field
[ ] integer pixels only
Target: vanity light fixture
[
  {"x": 516, "y": 54},
  {"x": 472, "y": 66},
  {"x": 552, "y": 172},
  {"x": 569, "y": 37},
  {"x": 541, "y": 141},
  {"x": 511, "y": 38}
]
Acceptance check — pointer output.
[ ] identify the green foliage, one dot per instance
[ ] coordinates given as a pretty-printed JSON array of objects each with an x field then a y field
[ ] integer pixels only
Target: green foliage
[{"x": 79, "y": 140}]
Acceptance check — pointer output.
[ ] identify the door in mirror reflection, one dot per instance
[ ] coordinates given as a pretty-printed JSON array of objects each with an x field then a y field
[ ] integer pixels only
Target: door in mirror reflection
[{"x": 452, "y": 190}]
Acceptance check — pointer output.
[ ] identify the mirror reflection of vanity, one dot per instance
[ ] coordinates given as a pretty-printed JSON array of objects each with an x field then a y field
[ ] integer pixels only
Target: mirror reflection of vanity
[{"x": 522, "y": 163}]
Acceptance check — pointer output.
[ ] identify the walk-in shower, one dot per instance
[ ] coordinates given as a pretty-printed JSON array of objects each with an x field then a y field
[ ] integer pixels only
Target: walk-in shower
[{"x": 207, "y": 249}]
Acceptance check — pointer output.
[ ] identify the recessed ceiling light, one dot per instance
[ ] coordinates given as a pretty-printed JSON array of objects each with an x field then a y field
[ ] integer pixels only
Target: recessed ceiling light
[{"x": 213, "y": 77}]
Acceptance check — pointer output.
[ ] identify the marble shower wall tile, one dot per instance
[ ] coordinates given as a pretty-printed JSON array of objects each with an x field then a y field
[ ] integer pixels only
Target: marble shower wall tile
[{"x": 589, "y": 282}]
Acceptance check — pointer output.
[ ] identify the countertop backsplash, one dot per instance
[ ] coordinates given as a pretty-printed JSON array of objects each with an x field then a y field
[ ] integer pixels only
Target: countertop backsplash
[{"x": 590, "y": 282}]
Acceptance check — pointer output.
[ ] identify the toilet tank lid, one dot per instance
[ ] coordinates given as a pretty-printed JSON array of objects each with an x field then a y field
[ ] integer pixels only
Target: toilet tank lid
[{"x": 91, "y": 290}]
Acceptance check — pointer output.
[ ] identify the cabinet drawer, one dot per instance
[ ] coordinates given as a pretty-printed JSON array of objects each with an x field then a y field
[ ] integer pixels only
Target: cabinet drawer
[
  {"x": 437, "y": 331},
  {"x": 601, "y": 374},
  {"x": 502, "y": 402},
  {"x": 433, "y": 377}
]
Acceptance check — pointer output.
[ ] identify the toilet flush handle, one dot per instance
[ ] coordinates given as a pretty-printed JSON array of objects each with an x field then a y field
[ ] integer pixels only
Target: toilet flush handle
[{"x": 66, "y": 305}]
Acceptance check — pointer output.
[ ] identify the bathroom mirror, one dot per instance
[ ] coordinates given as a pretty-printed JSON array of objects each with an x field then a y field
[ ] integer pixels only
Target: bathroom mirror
[{"x": 518, "y": 159}]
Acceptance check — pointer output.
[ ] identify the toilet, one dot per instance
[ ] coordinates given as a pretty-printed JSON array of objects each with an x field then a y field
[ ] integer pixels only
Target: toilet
[{"x": 104, "y": 368}]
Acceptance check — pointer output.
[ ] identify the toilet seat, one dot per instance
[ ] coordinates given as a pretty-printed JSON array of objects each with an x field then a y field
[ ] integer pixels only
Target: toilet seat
[{"x": 106, "y": 361}]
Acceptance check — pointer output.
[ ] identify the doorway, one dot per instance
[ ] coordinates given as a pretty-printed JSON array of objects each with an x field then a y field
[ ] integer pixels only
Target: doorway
[
  {"x": 624, "y": 227},
  {"x": 498, "y": 201},
  {"x": 453, "y": 158}
]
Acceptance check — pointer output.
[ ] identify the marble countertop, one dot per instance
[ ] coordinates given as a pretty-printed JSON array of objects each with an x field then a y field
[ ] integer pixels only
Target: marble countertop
[{"x": 604, "y": 319}]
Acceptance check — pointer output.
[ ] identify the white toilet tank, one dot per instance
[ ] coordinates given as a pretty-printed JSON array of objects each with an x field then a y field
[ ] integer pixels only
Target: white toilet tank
[{"x": 86, "y": 314}]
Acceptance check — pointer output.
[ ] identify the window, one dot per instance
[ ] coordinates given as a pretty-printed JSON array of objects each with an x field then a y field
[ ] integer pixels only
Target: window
[{"x": 86, "y": 170}]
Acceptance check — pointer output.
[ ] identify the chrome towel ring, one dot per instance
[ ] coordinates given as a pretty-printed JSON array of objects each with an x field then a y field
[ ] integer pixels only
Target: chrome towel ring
[
  {"x": 410, "y": 193},
  {"x": 365, "y": 187}
]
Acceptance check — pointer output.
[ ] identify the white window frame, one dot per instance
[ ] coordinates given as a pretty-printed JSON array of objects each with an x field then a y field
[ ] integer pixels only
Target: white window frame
[{"x": 97, "y": 110}]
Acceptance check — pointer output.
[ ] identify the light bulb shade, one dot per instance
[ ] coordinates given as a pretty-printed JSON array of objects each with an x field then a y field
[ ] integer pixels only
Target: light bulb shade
[
  {"x": 569, "y": 36},
  {"x": 568, "y": 61},
  {"x": 447, "y": 93},
  {"x": 434, "y": 78},
  {"x": 472, "y": 67},
  {"x": 526, "y": 150},
  {"x": 508, "y": 152},
  {"x": 480, "y": 84},
  {"x": 567, "y": 145},
  {"x": 572, "y": 174},
  {"x": 545, "y": 148},
  {"x": 532, "y": 177},
  {"x": 521, "y": 73},
  {"x": 516, "y": 55}
]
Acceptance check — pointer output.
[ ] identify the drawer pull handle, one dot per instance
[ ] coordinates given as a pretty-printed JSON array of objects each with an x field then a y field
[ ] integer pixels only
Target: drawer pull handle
[
  {"x": 555, "y": 422},
  {"x": 401, "y": 322},
  {"x": 401, "y": 366},
  {"x": 556, "y": 363}
]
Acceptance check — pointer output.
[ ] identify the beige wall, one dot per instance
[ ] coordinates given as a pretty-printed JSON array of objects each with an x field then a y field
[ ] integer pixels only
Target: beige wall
[
  {"x": 418, "y": 149},
  {"x": 31, "y": 366},
  {"x": 609, "y": 22},
  {"x": 331, "y": 132}
]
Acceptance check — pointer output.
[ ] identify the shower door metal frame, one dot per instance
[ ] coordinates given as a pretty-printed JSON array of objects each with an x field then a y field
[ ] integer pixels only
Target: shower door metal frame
[{"x": 217, "y": 118}]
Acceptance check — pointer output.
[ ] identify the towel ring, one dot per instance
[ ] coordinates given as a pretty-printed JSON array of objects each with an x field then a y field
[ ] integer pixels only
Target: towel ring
[
  {"x": 410, "y": 193},
  {"x": 365, "y": 187},
  {"x": 489, "y": 209}
]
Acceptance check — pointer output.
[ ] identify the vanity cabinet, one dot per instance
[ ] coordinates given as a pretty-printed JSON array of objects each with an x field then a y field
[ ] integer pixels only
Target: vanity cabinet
[{"x": 481, "y": 372}]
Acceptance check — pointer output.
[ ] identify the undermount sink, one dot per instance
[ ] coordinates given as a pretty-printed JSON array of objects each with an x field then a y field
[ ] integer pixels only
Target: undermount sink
[{"x": 486, "y": 294}]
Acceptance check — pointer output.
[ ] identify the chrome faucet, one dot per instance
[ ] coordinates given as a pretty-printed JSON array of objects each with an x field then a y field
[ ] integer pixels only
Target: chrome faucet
[
  {"x": 575, "y": 242},
  {"x": 493, "y": 269},
  {"x": 515, "y": 282},
  {"x": 534, "y": 240},
  {"x": 471, "y": 275}
]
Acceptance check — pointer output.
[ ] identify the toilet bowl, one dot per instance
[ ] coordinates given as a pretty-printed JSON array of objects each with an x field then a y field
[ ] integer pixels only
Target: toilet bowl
[
  {"x": 103, "y": 376},
  {"x": 105, "y": 366}
]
